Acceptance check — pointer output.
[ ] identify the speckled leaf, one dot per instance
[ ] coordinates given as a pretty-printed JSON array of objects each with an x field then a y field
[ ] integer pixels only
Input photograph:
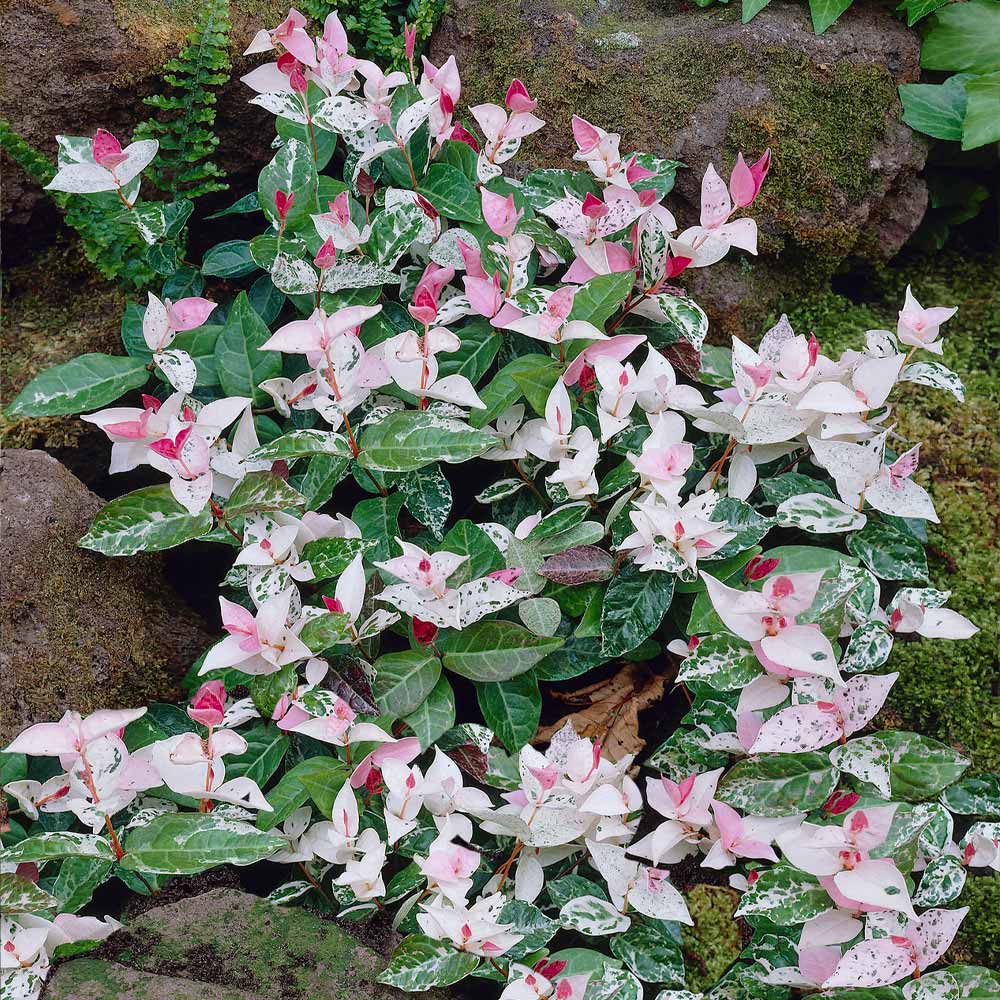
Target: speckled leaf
[
  {"x": 77, "y": 881},
  {"x": 329, "y": 557},
  {"x": 778, "y": 784},
  {"x": 935, "y": 375},
  {"x": 262, "y": 491},
  {"x": 593, "y": 917},
  {"x": 147, "y": 520},
  {"x": 300, "y": 444},
  {"x": 868, "y": 649},
  {"x": 819, "y": 514},
  {"x": 866, "y": 758},
  {"x": 535, "y": 928},
  {"x": 891, "y": 554},
  {"x": 941, "y": 882},
  {"x": 428, "y": 498},
  {"x": 408, "y": 439},
  {"x": 785, "y": 896},
  {"x": 722, "y": 661},
  {"x": 420, "y": 962}
]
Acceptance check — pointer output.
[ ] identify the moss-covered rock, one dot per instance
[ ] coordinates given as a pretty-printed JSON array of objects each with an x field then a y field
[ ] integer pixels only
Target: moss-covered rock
[
  {"x": 713, "y": 943},
  {"x": 699, "y": 86},
  {"x": 979, "y": 939}
]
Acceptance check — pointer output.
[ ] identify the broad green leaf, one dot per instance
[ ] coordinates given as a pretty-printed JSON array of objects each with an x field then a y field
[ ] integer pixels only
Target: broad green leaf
[
  {"x": 480, "y": 345},
  {"x": 982, "y": 114},
  {"x": 259, "y": 492},
  {"x": 329, "y": 557},
  {"x": 241, "y": 365},
  {"x": 538, "y": 381},
  {"x": 325, "y": 775},
  {"x": 979, "y": 796},
  {"x": 188, "y": 843},
  {"x": 409, "y": 439},
  {"x": 231, "y": 259},
  {"x": 964, "y": 37},
  {"x": 147, "y": 520},
  {"x": 428, "y": 497},
  {"x": 302, "y": 444},
  {"x": 466, "y": 538},
  {"x": 575, "y": 657},
  {"x": 751, "y": 8},
  {"x": 85, "y": 383},
  {"x": 785, "y": 895},
  {"x": 825, "y": 12},
  {"x": 55, "y": 846},
  {"x": 494, "y": 651},
  {"x": 435, "y": 715},
  {"x": 936, "y": 109},
  {"x": 544, "y": 187},
  {"x": 21, "y": 895},
  {"x": 920, "y": 767},
  {"x": 403, "y": 680},
  {"x": 779, "y": 784},
  {"x": 652, "y": 950},
  {"x": 266, "y": 748},
  {"x": 452, "y": 193},
  {"x": 511, "y": 708},
  {"x": 420, "y": 962},
  {"x": 634, "y": 606},
  {"x": 378, "y": 521},
  {"x": 324, "y": 631},
  {"x": 292, "y": 171},
  {"x": 596, "y": 301},
  {"x": 503, "y": 391},
  {"x": 722, "y": 661}
]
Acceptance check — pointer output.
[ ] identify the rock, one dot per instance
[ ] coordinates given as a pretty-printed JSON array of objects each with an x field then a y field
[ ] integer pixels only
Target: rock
[
  {"x": 79, "y": 630},
  {"x": 240, "y": 944},
  {"x": 93, "y": 979},
  {"x": 89, "y": 64},
  {"x": 700, "y": 86}
]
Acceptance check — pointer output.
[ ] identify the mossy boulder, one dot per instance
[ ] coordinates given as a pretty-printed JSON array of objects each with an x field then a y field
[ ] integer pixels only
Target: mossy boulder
[
  {"x": 79, "y": 630},
  {"x": 233, "y": 945},
  {"x": 699, "y": 86}
]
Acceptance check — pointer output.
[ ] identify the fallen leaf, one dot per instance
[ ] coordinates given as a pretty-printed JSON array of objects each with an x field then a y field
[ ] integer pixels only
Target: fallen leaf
[{"x": 609, "y": 711}]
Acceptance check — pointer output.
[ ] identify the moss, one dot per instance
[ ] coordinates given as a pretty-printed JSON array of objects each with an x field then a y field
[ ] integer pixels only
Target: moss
[
  {"x": 979, "y": 938},
  {"x": 946, "y": 689},
  {"x": 715, "y": 940}
]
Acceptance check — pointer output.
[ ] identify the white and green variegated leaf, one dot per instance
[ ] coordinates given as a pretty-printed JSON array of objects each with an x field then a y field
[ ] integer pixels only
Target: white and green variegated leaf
[
  {"x": 291, "y": 171},
  {"x": 407, "y": 440},
  {"x": 329, "y": 557},
  {"x": 722, "y": 661},
  {"x": 358, "y": 274},
  {"x": 785, "y": 895},
  {"x": 284, "y": 104},
  {"x": 79, "y": 879},
  {"x": 540, "y": 615},
  {"x": 85, "y": 383},
  {"x": 778, "y": 784},
  {"x": 293, "y": 276},
  {"x": 428, "y": 498},
  {"x": 21, "y": 895},
  {"x": 147, "y": 520},
  {"x": 494, "y": 651},
  {"x": 288, "y": 892},
  {"x": 934, "y": 374},
  {"x": 867, "y": 758},
  {"x": 301, "y": 444},
  {"x": 978, "y": 796},
  {"x": 940, "y": 985},
  {"x": 500, "y": 490},
  {"x": 393, "y": 231},
  {"x": 341, "y": 114},
  {"x": 685, "y": 318},
  {"x": 260, "y": 492},
  {"x": 614, "y": 984},
  {"x": 188, "y": 843},
  {"x": 868, "y": 649},
  {"x": 593, "y": 916},
  {"x": 651, "y": 952},
  {"x": 920, "y": 766},
  {"x": 634, "y": 606},
  {"x": 941, "y": 882},
  {"x": 420, "y": 963},
  {"x": 55, "y": 846},
  {"x": 819, "y": 514}
]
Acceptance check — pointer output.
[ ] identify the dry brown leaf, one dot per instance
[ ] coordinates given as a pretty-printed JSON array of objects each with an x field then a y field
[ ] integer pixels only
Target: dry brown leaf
[{"x": 609, "y": 710}]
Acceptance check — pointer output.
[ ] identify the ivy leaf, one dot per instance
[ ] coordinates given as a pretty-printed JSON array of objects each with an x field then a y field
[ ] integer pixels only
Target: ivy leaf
[
  {"x": 407, "y": 440},
  {"x": 85, "y": 383},
  {"x": 404, "y": 680},
  {"x": 963, "y": 37},
  {"x": 188, "y": 843},
  {"x": 825, "y": 12},
  {"x": 241, "y": 365},
  {"x": 452, "y": 193},
  {"x": 420, "y": 962},
  {"x": 258, "y": 492},
  {"x": 147, "y": 520},
  {"x": 634, "y": 606},
  {"x": 512, "y": 708},
  {"x": 493, "y": 651},
  {"x": 982, "y": 114},
  {"x": 936, "y": 109}
]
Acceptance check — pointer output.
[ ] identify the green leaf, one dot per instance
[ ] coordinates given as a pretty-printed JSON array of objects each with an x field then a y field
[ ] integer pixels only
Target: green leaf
[
  {"x": 634, "y": 606},
  {"x": 779, "y": 784},
  {"x": 321, "y": 479},
  {"x": 722, "y": 661},
  {"x": 147, "y": 520},
  {"x": 21, "y": 895},
  {"x": 392, "y": 233},
  {"x": 452, "y": 193},
  {"x": 740, "y": 517},
  {"x": 494, "y": 650},
  {"x": 936, "y": 109},
  {"x": 420, "y": 962},
  {"x": 652, "y": 950},
  {"x": 964, "y": 37},
  {"x": 56, "y": 846},
  {"x": 918, "y": 9},
  {"x": 428, "y": 497},
  {"x": 785, "y": 895},
  {"x": 85, "y": 383},
  {"x": 435, "y": 715},
  {"x": 301, "y": 444},
  {"x": 537, "y": 382},
  {"x": 979, "y": 796},
  {"x": 598, "y": 299},
  {"x": 790, "y": 484},
  {"x": 292, "y": 171},
  {"x": 231, "y": 259},
  {"x": 406, "y": 440},
  {"x": 77, "y": 881},
  {"x": 467, "y": 539},
  {"x": 324, "y": 631},
  {"x": 982, "y": 115},
  {"x": 888, "y": 552},
  {"x": 266, "y": 749},
  {"x": 920, "y": 767},
  {"x": 378, "y": 521},
  {"x": 512, "y": 708},
  {"x": 535, "y": 928},
  {"x": 188, "y": 843},
  {"x": 480, "y": 345},
  {"x": 825, "y": 12},
  {"x": 329, "y": 557},
  {"x": 505, "y": 390},
  {"x": 242, "y": 366},
  {"x": 258, "y": 492},
  {"x": 751, "y": 8},
  {"x": 403, "y": 680},
  {"x": 541, "y": 615},
  {"x": 324, "y": 775}
]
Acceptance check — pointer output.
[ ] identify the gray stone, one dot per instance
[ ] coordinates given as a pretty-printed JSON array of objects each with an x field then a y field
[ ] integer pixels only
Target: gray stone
[
  {"x": 94, "y": 979},
  {"x": 78, "y": 630}
]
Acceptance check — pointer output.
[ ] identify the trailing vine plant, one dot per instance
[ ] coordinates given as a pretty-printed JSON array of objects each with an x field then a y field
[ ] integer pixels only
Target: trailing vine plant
[{"x": 557, "y": 478}]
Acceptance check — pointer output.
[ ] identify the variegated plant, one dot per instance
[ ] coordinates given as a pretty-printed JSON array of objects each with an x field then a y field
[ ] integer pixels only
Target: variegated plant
[{"x": 556, "y": 475}]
